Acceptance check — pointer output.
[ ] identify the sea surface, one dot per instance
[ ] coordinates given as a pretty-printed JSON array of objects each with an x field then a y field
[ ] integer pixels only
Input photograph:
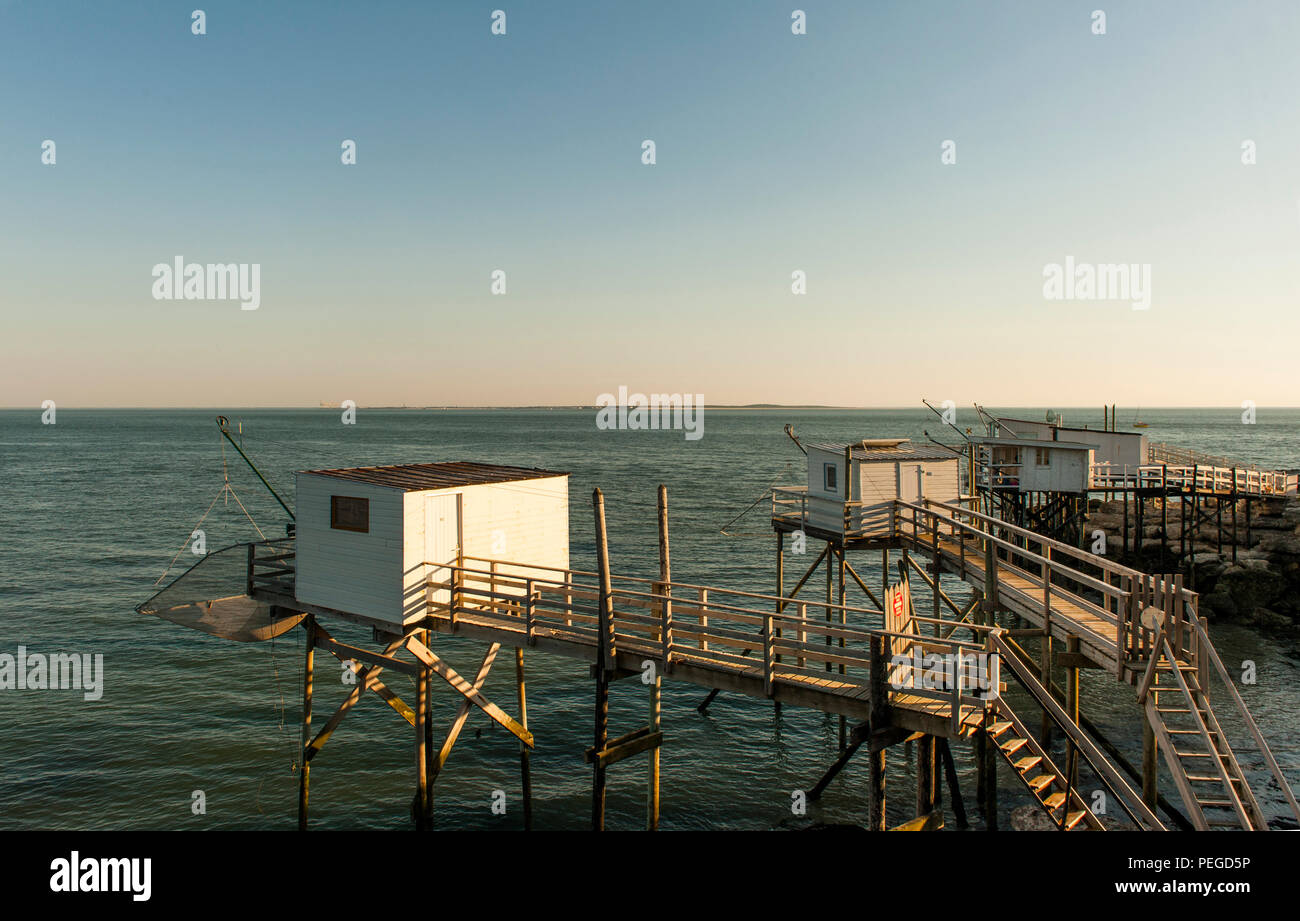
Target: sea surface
[{"x": 96, "y": 509}]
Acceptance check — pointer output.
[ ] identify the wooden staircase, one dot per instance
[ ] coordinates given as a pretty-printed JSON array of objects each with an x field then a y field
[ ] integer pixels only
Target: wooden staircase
[
  {"x": 1205, "y": 769},
  {"x": 1035, "y": 768}
]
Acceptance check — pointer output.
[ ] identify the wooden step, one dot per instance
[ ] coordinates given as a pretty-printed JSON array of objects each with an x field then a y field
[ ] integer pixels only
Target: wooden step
[
  {"x": 1028, "y": 763},
  {"x": 999, "y": 728},
  {"x": 1041, "y": 781},
  {"x": 1054, "y": 801},
  {"x": 1013, "y": 746},
  {"x": 1074, "y": 818}
]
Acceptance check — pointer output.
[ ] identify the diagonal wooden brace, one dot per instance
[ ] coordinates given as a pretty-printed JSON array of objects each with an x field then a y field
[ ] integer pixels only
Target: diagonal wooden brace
[
  {"x": 467, "y": 690},
  {"x": 368, "y": 678},
  {"x": 462, "y": 714},
  {"x": 344, "y": 653}
]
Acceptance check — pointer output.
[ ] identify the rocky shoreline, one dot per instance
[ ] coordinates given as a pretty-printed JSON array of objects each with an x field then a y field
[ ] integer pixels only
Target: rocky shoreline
[{"x": 1261, "y": 588}]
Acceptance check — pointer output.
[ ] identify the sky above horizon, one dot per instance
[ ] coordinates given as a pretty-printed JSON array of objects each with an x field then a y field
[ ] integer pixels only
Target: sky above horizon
[{"x": 775, "y": 153}]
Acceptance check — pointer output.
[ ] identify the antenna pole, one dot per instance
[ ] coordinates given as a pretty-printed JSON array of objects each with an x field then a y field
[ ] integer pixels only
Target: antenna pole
[{"x": 223, "y": 423}]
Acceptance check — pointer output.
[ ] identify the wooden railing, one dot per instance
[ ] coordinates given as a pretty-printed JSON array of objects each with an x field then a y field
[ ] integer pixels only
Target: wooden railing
[
  {"x": 678, "y": 623},
  {"x": 1200, "y": 478},
  {"x": 1130, "y": 801},
  {"x": 271, "y": 564}
]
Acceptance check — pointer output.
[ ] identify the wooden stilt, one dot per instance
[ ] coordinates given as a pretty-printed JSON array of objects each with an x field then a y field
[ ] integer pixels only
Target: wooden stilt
[
  {"x": 1072, "y": 674},
  {"x": 830, "y": 556},
  {"x": 656, "y": 686},
  {"x": 925, "y": 775},
  {"x": 1045, "y": 678},
  {"x": 954, "y": 788},
  {"x": 843, "y": 599},
  {"x": 1124, "y": 533},
  {"x": 304, "y": 762},
  {"x": 601, "y": 736},
  {"x": 1150, "y": 788},
  {"x": 780, "y": 592},
  {"x": 421, "y": 749},
  {"x": 430, "y": 753},
  {"x": 876, "y": 791},
  {"x": 525, "y": 758},
  {"x": 656, "y": 725},
  {"x": 606, "y": 662},
  {"x": 990, "y": 783}
]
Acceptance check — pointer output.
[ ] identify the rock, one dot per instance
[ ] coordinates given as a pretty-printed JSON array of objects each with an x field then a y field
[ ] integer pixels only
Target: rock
[{"x": 1031, "y": 818}]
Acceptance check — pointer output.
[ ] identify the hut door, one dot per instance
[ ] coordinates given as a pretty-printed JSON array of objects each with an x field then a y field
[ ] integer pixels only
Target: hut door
[
  {"x": 441, "y": 543},
  {"x": 909, "y": 482}
]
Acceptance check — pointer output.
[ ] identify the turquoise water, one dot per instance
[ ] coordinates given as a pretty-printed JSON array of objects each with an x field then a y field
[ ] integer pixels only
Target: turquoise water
[{"x": 96, "y": 506}]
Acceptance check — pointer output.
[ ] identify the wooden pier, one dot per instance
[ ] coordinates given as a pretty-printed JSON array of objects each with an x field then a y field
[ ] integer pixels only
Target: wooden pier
[{"x": 859, "y": 662}]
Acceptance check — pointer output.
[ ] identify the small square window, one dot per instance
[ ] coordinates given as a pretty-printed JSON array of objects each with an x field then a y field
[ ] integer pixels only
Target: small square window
[
  {"x": 1041, "y": 457},
  {"x": 831, "y": 477},
  {"x": 349, "y": 513}
]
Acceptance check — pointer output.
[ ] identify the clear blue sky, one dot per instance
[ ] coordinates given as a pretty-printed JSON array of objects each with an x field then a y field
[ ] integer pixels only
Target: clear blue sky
[{"x": 775, "y": 153}]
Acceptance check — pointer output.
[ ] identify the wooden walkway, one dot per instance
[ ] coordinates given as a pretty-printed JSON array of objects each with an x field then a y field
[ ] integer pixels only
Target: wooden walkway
[{"x": 863, "y": 663}]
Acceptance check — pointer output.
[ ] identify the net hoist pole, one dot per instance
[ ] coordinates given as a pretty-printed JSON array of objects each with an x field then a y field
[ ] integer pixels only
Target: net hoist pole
[{"x": 223, "y": 423}]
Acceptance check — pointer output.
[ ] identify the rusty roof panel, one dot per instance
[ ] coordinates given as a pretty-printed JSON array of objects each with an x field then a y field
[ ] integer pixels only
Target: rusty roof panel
[{"x": 437, "y": 476}]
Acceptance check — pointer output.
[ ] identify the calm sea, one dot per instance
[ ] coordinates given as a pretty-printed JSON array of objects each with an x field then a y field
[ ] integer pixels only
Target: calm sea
[{"x": 95, "y": 507}]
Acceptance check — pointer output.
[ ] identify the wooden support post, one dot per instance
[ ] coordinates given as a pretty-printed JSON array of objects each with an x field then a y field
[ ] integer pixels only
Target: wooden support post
[
  {"x": 601, "y": 736},
  {"x": 1247, "y": 522},
  {"x": 876, "y": 793},
  {"x": 1182, "y": 527},
  {"x": 1124, "y": 538},
  {"x": 926, "y": 786},
  {"x": 429, "y": 753},
  {"x": 935, "y": 568},
  {"x": 304, "y": 763},
  {"x": 830, "y": 555},
  {"x": 780, "y": 591},
  {"x": 843, "y": 622},
  {"x": 525, "y": 763},
  {"x": 656, "y": 686},
  {"x": 1072, "y": 674},
  {"x": 656, "y": 725},
  {"x": 879, "y": 683},
  {"x": 1150, "y": 788},
  {"x": 990, "y": 778},
  {"x": 990, "y": 577},
  {"x": 1233, "y": 512},
  {"x": 607, "y": 649},
  {"x": 954, "y": 788},
  {"x": 884, "y": 571},
  {"x": 421, "y": 749},
  {"x": 1045, "y": 678}
]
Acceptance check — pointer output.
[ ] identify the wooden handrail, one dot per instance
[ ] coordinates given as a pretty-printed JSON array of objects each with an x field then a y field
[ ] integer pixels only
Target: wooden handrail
[
  {"x": 1207, "y": 646},
  {"x": 1086, "y": 747}
]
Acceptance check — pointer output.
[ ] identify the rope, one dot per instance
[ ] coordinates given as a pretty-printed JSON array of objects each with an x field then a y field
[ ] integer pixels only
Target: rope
[
  {"x": 767, "y": 492},
  {"x": 191, "y": 537},
  {"x": 231, "y": 490}
]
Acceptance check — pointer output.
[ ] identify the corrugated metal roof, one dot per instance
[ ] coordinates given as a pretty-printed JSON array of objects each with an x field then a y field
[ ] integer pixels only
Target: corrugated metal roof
[
  {"x": 900, "y": 452},
  {"x": 437, "y": 476}
]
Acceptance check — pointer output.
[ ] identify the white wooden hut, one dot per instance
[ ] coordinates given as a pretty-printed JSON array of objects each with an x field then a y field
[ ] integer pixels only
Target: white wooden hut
[
  {"x": 1123, "y": 449},
  {"x": 852, "y": 486},
  {"x": 370, "y": 540},
  {"x": 1030, "y": 465}
]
